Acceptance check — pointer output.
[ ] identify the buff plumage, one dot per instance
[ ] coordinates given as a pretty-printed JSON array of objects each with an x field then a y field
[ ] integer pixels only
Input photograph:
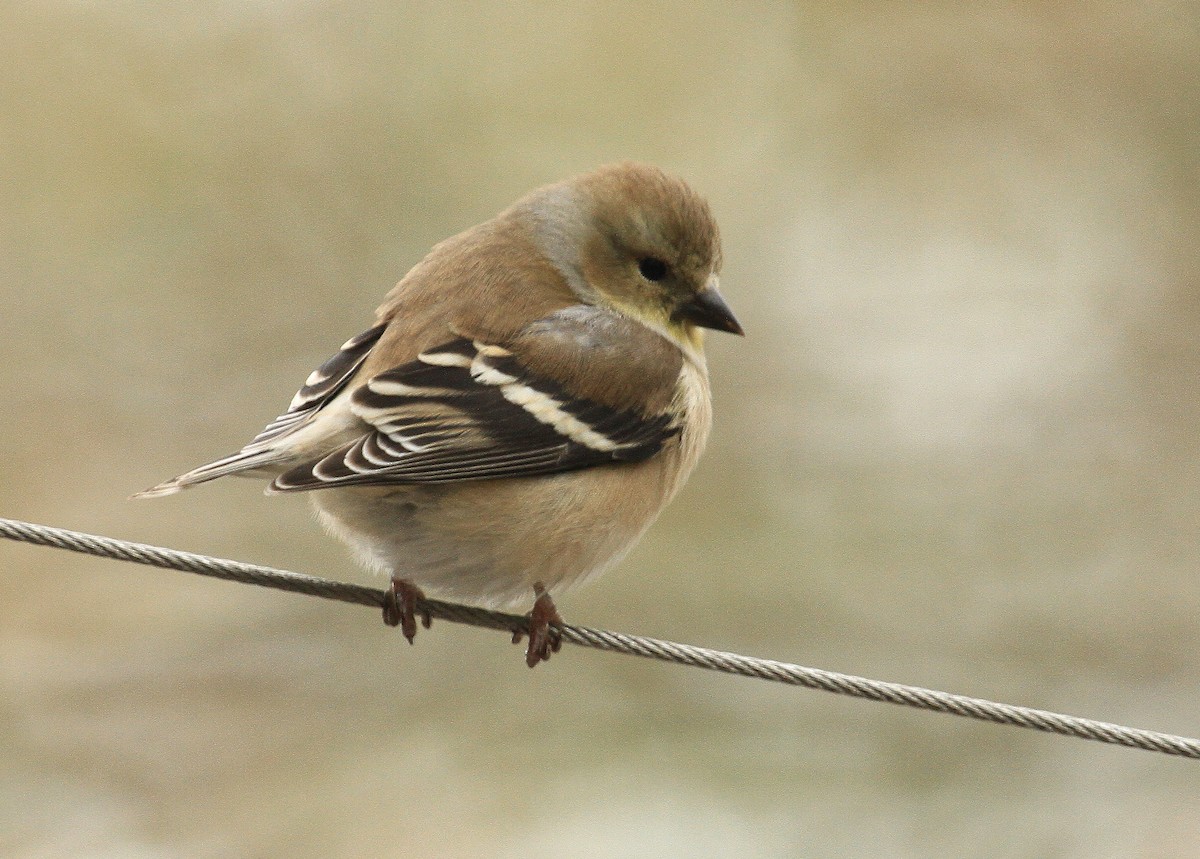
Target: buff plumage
[{"x": 527, "y": 400}]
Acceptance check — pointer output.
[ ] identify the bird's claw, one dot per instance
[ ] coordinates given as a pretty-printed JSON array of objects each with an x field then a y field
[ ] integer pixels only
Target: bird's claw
[
  {"x": 400, "y": 608},
  {"x": 544, "y": 638}
]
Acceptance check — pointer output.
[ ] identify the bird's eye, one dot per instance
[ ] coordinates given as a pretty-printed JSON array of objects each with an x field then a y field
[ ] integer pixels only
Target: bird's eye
[{"x": 652, "y": 268}]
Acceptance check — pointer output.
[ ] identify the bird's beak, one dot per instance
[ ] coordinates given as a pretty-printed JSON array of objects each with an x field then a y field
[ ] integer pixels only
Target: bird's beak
[{"x": 709, "y": 310}]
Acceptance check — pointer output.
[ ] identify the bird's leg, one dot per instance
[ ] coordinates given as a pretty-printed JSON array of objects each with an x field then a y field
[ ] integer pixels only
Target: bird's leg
[
  {"x": 400, "y": 607},
  {"x": 544, "y": 639}
]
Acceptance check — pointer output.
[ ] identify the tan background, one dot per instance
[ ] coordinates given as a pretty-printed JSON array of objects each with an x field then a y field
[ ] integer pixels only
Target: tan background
[{"x": 957, "y": 448}]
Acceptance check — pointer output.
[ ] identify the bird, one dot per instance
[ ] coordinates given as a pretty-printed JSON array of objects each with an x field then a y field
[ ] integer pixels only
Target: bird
[{"x": 528, "y": 399}]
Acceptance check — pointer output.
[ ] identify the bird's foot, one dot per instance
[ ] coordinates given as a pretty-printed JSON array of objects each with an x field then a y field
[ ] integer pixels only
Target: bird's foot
[
  {"x": 544, "y": 639},
  {"x": 400, "y": 607}
]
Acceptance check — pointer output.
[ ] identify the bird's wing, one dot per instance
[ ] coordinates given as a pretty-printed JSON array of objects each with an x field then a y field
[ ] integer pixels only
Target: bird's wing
[
  {"x": 321, "y": 386},
  {"x": 269, "y": 447},
  {"x": 470, "y": 410}
]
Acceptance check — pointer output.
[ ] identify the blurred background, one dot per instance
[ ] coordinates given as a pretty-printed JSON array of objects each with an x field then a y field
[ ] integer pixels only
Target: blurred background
[{"x": 957, "y": 448}]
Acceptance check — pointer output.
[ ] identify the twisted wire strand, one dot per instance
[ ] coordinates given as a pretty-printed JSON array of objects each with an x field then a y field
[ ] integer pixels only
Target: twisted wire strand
[{"x": 615, "y": 642}]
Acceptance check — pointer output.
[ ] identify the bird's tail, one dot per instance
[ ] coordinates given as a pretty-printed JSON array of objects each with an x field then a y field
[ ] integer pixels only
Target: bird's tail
[{"x": 242, "y": 462}]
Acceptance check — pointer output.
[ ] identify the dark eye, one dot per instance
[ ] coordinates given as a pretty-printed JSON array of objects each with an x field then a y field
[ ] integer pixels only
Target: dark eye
[{"x": 652, "y": 268}]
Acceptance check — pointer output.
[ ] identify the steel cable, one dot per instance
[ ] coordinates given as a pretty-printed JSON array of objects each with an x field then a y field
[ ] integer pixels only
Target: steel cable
[{"x": 616, "y": 642}]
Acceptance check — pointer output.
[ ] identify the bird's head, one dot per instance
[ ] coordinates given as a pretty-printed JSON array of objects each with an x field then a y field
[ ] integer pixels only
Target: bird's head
[{"x": 630, "y": 237}]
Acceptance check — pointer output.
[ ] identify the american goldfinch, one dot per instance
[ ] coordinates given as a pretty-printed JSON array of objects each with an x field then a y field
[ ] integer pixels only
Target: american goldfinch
[{"x": 529, "y": 398}]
